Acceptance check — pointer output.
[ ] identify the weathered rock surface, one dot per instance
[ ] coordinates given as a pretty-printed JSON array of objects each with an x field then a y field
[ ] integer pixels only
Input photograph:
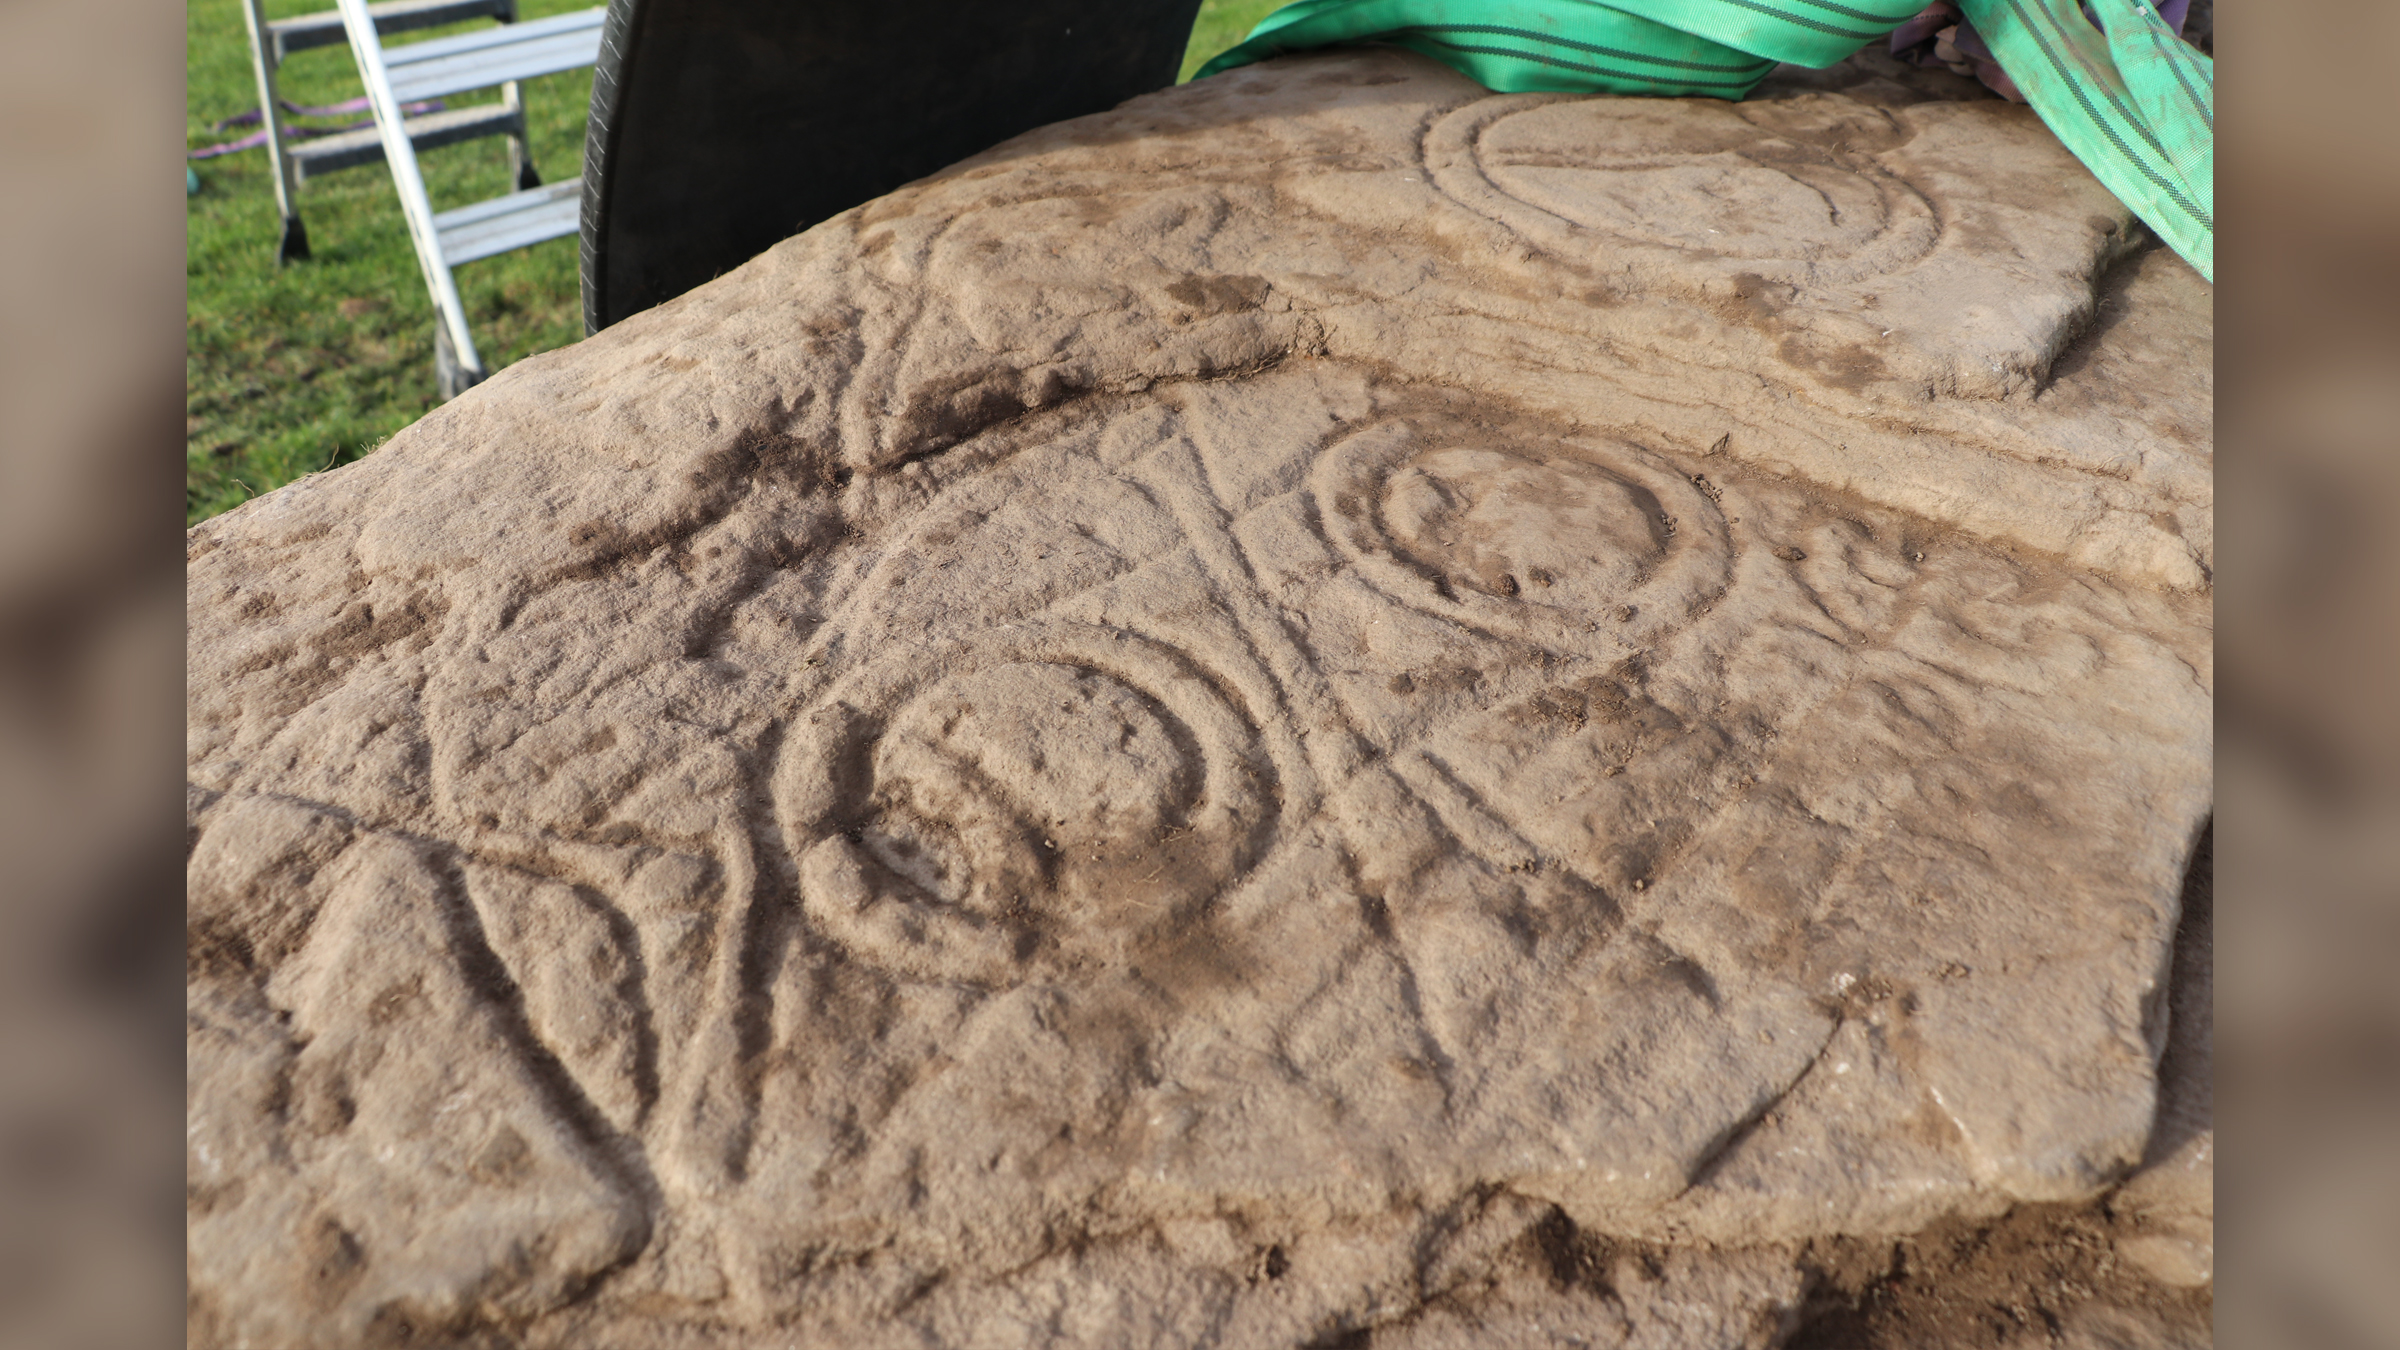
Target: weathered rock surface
[{"x": 1327, "y": 706}]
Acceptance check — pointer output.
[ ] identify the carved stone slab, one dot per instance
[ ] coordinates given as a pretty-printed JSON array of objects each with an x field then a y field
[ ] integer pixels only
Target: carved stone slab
[{"x": 1244, "y": 719}]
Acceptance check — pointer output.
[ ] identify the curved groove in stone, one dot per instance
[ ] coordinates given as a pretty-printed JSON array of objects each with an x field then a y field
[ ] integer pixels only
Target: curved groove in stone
[
  {"x": 1694, "y": 185},
  {"x": 1162, "y": 799}
]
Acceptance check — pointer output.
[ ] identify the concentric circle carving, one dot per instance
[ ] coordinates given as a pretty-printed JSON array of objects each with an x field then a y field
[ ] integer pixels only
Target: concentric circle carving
[
  {"x": 1792, "y": 194},
  {"x": 1024, "y": 796},
  {"x": 1547, "y": 541}
]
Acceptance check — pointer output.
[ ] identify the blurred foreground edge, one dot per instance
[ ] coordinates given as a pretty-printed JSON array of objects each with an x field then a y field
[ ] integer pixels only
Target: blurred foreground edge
[{"x": 719, "y": 127}]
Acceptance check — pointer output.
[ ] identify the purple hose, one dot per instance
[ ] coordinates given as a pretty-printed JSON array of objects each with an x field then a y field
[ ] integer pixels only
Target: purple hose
[{"x": 256, "y": 138}]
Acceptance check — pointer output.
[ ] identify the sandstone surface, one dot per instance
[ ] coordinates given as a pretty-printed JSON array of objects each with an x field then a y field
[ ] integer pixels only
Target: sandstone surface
[{"x": 1326, "y": 710}]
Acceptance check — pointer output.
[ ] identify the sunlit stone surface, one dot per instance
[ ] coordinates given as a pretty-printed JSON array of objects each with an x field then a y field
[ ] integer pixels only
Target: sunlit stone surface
[{"x": 1329, "y": 705}]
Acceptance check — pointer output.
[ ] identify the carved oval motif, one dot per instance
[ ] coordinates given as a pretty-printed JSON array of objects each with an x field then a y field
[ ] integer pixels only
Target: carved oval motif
[
  {"x": 1793, "y": 195},
  {"x": 1554, "y": 542},
  {"x": 1047, "y": 794}
]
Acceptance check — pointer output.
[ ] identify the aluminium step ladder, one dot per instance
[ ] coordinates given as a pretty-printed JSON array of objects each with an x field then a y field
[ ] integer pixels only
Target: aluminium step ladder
[
  {"x": 293, "y": 163},
  {"x": 439, "y": 67}
]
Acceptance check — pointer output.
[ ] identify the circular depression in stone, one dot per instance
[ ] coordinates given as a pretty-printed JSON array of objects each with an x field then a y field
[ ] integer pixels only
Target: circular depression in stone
[
  {"x": 1551, "y": 542},
  {"x": 997, "y": 784},
  {"x": 1725, "y": 202},
  {"x": 1793, "y": 194},
  {"x": 1562, "y": 533},
  {"x": 958, "y": 813}
]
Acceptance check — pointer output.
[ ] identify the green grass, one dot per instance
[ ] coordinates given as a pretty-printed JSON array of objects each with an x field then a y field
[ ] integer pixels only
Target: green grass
[
  {"x": 1221, "y": 24},
  {"x": 292, "y": 371}
]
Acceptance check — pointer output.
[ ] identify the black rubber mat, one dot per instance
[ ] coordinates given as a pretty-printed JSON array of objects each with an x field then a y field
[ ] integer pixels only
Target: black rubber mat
[{"x": 719, "y": 127}]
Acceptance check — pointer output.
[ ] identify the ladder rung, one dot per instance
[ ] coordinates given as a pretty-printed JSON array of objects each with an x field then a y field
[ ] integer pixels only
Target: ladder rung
[
  {"x": 349, "y": 149},
  {"x": 478, "y": 60},
  {"x": 286, "y": 36},
  {"x": 513, "y": 221}
]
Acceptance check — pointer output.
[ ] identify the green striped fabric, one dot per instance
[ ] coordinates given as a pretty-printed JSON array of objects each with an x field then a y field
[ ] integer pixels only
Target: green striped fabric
[
  {"x": 1519, "y": 46},
  {"x": 1800, "y": 32},
  {"x": 2138, "y": 106},
  {"x": 2133, "y": 103}
]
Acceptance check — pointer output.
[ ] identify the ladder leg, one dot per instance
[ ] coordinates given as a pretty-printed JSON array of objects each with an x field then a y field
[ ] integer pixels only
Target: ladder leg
[
  {"x": 520, "y": 152},
  {"x": 292, "y": 246},
  {"x": 450, "y": 375},
  {"x": 456, "y": 365}
]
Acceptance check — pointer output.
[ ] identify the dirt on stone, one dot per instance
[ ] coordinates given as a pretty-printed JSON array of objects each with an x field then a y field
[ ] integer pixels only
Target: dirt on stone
[{"x": 2038, "y": 1275}]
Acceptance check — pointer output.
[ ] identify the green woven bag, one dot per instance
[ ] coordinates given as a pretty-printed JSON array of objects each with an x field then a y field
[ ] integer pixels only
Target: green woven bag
[{"x": 2134, "y": 103}]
